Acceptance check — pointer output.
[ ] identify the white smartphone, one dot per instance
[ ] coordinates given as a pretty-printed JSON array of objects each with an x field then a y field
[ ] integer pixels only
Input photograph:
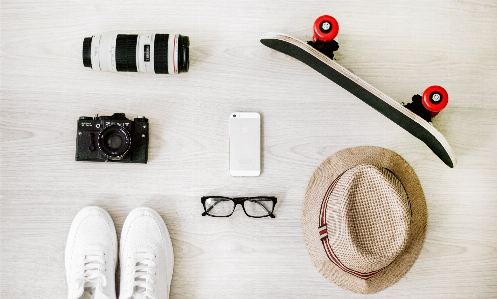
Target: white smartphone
[{"x": 245, "y": 144}]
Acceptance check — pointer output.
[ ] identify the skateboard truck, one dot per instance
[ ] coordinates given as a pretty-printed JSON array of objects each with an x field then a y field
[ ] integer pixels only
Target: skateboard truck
[
  {"x": 427, "y": 106},
  {"x": 434, "y": 99},
  {"x": 325, "y": 30}
]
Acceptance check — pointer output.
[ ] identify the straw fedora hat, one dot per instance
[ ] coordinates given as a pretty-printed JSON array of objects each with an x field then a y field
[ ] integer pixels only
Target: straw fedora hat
[{"x": 364, "y": 218}]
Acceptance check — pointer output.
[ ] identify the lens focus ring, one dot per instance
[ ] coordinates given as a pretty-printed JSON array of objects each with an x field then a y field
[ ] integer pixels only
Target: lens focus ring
[
  {"x": 160, "y": 53},
  {"x": 126, "y": 53}
]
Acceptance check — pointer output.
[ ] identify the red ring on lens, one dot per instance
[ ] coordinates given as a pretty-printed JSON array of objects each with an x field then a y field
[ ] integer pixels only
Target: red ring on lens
[
  {"x": 435, "y": 98},
  {"x": 325, "y": 28}
]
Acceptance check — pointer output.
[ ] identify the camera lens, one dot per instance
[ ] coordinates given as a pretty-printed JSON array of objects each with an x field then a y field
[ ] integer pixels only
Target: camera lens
[
  {"x": 234, "y": 115},
  {"x": 145, "y": 53},
  {"x": 114, "y": 141}
]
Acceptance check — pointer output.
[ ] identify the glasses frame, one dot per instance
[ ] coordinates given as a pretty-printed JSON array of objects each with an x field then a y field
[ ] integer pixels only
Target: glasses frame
[{"x": 240, "y": 201}]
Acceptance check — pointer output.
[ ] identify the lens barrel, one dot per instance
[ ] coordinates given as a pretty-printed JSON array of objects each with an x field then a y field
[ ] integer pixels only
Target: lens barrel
[{"x": 148, "y": 53}]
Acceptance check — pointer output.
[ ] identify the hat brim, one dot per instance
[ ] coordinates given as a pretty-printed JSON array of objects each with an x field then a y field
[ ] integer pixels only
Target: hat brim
[{"x": 326, "y": 173}]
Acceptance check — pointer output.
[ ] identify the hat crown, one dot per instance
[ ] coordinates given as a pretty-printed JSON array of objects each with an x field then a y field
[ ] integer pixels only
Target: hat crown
[
  {"x": 364, "y": 225},
  {"x": 368, "y": 217}
]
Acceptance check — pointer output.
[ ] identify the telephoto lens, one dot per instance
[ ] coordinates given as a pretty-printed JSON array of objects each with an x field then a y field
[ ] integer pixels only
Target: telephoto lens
[{"x": 145, "y": 53}]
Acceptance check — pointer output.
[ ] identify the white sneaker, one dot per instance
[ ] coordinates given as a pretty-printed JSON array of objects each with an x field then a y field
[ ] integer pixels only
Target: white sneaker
[
  {"x": 91, "y": 255},
  {"x": 146, "y": 256}
]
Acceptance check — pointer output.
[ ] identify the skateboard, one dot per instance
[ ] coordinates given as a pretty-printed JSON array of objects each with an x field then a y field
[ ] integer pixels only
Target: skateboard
[{"x": 415, "y": 117}]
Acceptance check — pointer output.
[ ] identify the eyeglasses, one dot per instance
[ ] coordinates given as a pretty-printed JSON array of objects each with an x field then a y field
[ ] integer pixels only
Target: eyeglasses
[{"x": 256, "y": 207}]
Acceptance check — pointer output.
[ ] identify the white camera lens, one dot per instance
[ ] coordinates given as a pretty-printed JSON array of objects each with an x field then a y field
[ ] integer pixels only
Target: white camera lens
[{"x": 145, "y": 53}]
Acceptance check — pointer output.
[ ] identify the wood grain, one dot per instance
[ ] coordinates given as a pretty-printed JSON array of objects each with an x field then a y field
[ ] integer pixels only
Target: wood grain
[{"x": 400, "y": 47}]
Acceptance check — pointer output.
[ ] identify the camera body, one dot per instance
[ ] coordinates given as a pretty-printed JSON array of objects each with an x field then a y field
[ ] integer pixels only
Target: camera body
[{"x": 112, "y": 138}]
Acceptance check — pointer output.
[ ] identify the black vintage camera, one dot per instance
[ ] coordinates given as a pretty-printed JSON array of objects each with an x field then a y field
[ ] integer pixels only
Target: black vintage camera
[{"x": 112, "y": 138}]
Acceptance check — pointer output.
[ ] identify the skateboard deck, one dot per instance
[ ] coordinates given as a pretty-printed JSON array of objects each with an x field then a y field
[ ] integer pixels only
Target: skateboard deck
[{"x": 390, "y": 108}]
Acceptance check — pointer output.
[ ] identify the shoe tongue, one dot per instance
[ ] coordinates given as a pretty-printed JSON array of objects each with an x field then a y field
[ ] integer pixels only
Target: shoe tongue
[
  {"x": 87, "y": 293},
  {"x": 100, "y": 295},
  {"x": 92, "y": 293}
]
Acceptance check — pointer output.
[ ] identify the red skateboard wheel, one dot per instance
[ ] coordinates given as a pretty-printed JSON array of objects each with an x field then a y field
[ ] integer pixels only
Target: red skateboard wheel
[
  {"x": 435, "y": 98},
  {"x": 325, "y": 28}
]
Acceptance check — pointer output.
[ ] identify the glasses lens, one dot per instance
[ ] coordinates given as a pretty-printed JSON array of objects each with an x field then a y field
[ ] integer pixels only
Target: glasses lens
[
  {"x": 258, "y": 207},
  {"x": 219, "y": 206}
]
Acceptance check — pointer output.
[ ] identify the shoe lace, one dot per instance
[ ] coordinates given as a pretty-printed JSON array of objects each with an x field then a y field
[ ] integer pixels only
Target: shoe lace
[
  {"x": 143, "y": 269},
  {"x": 93, "y": 267}
]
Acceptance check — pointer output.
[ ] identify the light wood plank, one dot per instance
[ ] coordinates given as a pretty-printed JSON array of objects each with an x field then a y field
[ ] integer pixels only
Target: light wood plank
[{"x": 399, "y": 47}]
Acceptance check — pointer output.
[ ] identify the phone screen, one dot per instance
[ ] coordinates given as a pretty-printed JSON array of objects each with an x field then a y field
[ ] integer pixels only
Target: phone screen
[{"x": 245, "y": 144}]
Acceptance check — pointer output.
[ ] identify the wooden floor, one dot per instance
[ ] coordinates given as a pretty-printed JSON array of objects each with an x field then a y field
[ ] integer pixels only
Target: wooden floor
[{"x": 399, "y": 47}]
